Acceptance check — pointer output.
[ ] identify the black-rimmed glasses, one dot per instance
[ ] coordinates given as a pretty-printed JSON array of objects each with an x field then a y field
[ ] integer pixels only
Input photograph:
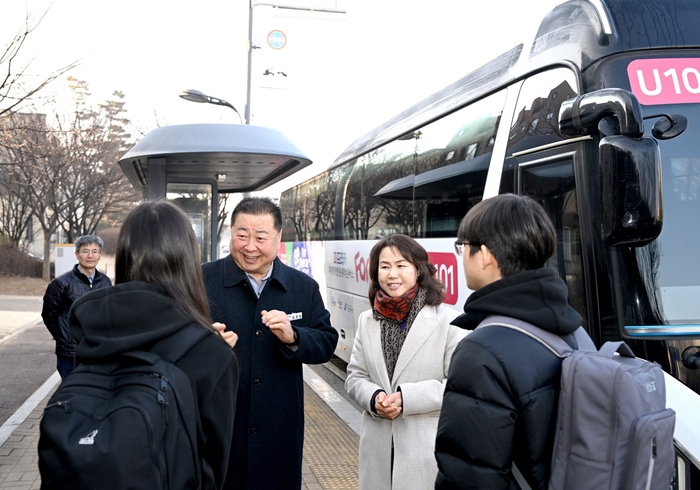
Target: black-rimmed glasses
[{"x": 459, "y": 246}]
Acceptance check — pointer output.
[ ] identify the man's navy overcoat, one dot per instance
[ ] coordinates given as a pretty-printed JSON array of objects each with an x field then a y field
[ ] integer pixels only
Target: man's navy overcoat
[{"x": 269, "y": 426}]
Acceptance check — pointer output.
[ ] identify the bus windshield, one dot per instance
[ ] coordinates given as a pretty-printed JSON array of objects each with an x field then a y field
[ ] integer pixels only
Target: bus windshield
[
  {"x": 660, "y": 282},
  {"x": 671, "y": 264}
]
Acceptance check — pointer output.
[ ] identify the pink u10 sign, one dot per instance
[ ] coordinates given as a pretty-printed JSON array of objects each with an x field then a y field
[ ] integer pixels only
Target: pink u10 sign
[{"x": 665, "y": 80}]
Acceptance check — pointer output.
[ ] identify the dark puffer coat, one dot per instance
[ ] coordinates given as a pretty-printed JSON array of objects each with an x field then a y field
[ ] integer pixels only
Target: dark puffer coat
[
  {"x": 502, "y": 390},
  {"x": 59, "y": 297}
]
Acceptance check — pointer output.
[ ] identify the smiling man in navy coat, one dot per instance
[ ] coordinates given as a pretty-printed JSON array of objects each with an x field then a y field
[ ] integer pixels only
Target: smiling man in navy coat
[{"x": 281, "y": 322}]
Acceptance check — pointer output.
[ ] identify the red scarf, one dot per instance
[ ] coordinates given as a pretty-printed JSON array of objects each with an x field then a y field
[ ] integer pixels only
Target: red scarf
[{"x": 395, "y": 308}]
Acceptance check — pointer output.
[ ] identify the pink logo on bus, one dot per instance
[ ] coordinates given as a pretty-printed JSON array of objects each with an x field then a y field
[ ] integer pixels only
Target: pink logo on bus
[
  {"x": 665, "y": 80},
  {"x": 447, "y": 272},
  {"x": 361, "y": 268}
]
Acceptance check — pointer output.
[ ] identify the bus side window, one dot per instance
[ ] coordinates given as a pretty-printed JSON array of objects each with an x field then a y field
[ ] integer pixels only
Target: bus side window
[
  {"x": 452, "y": 164},
  {"x": 339, "y": 185},
  {"x": 423, "y": 183},
  {"x": 308, "y": 210},
  {"x": 320, "y": 205},
  {"x": 536, "y": 119},
  {"x": 352, "y": 202},
  {"x": 292, "y": 215},
  {"x": 387, "y": 190}
]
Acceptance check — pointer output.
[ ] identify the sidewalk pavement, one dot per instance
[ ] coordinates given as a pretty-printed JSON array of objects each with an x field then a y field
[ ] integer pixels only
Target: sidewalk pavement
[
  {"x": 19, "y": 435},
  {"x": 331, "y": 423},
  {"x": 25, "y": 312}
]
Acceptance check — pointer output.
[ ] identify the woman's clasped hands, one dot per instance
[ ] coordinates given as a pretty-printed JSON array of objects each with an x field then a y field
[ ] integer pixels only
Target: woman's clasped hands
[{"x": 388, "y": 406}]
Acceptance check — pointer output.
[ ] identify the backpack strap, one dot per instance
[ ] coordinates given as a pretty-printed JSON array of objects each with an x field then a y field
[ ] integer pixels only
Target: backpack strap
[
  {"x": 518, "y": 477},
  {"x": 583, "y": 340},
  {"x": 609, "y": 349},
  {"x": 171, "y": 349},
  {"x": 557, "y": 345}
]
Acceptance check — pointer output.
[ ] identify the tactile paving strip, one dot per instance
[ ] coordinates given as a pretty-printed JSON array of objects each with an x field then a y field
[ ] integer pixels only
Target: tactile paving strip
[{"x": 330, "y": 446}]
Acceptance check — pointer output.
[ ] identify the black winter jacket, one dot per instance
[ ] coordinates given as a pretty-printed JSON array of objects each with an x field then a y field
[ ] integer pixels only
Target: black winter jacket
[
  {"x": 59, "y": 297},
  {"x": 136, "y": 316},
  {"x": 502, "y": 390}
]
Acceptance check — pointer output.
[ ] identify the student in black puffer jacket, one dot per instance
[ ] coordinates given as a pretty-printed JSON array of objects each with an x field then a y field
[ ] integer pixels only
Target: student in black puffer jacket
[{"x": 502, "y": 390}]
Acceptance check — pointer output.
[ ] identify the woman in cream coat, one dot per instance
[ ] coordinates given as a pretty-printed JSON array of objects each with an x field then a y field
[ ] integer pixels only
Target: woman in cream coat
[{"x": 399, "y": 365}]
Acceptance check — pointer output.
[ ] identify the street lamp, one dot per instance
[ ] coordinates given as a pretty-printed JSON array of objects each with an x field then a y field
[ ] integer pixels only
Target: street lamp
[{"x": 197, "y": 96}]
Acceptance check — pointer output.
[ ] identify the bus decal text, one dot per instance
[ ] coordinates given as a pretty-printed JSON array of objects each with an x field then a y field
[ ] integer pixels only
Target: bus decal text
[
  {"x": 447, "y": 271},
  {"x": 665, "y": 80},
  {"x": 361, "y": 268}
]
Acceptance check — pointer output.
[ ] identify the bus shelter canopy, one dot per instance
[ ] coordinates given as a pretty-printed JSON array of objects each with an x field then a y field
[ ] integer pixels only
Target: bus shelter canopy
[{"x": 240, "y": 158}]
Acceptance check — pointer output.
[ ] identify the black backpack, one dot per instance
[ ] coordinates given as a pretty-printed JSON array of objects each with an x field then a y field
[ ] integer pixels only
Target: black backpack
[{"x": 130, "y": 422}]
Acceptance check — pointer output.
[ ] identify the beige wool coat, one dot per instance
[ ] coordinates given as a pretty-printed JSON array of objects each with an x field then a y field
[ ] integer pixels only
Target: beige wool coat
[{"x": 420, "y": 372}]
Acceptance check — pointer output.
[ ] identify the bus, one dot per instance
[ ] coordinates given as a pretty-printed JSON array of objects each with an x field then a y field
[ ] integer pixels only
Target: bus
[{"x": 598, "y": 119}]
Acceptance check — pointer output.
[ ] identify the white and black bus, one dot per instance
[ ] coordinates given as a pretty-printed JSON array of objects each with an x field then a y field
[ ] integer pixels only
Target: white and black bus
[{"x": 598, "y": 119}]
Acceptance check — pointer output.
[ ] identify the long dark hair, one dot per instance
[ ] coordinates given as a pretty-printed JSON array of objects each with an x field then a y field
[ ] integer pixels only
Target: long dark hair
[
  {"x": 157, "y": 245},
  {"x": 413, "y": 252}
]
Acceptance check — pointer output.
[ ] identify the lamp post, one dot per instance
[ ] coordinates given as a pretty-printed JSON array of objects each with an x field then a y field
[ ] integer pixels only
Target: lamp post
[
  {"x": 251, "y": 47},
  {"x": 197, "y": 96}
]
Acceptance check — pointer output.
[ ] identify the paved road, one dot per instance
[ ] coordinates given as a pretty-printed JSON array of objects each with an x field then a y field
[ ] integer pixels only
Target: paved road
[
  {"x": 20, "y": 303},
  {"x": 26, "y": 359}
]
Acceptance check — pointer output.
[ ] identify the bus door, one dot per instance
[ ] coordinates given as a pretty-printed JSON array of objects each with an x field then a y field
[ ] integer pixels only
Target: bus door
[{"x": 549, "y": 177}]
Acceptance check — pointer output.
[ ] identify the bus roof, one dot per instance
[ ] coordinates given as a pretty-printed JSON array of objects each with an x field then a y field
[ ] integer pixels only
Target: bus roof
[{"x": 576, "y": 32}]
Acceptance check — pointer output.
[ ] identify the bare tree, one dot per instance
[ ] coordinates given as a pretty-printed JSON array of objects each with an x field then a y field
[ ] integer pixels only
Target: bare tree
[
  {"x": 15, "y": 212},
  {"x": 36, "y": 158},
  {"x": 93, "y": 140},
  {"x": 17, "y": 90},
  {"x": 67, "y": 174},
  {"x": 16, "y": 87},
  {"x": 222, "y": 215}
]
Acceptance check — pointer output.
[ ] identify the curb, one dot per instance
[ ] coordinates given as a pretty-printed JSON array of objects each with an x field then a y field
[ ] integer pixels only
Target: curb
[
  {"x": 21, "y": 329},
  {"x": 28, "y": 407}
]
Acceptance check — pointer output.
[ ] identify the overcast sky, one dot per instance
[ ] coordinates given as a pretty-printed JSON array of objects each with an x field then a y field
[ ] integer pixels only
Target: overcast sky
[{"x": 346, "y": 73}]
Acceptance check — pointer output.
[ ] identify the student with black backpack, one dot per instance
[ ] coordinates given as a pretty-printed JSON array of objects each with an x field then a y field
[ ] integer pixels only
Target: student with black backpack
[{"x": 151, "y": 402}]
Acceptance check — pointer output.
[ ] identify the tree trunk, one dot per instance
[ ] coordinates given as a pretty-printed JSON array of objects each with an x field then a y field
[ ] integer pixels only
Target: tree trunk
[{"x": 46, "y": 272}]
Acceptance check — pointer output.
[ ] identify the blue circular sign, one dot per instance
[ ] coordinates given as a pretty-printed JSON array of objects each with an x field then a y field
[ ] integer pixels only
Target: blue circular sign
[{"x": 276, "y": 39}]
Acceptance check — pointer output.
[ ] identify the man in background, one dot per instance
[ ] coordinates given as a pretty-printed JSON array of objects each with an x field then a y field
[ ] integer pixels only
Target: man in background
[
  {"x": 282, "y": 323},
  {"x": 64, "y": 290}
]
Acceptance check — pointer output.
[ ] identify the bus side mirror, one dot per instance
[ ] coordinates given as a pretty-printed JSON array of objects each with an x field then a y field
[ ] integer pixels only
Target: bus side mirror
[{"x": 631, "y": 190}]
